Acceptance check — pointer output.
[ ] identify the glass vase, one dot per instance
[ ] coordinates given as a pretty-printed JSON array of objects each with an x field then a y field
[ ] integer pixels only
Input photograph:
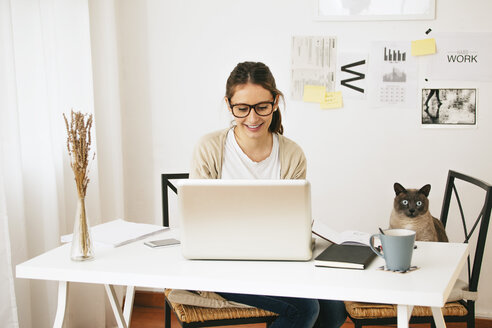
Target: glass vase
[{"x": 82, "y": 246}]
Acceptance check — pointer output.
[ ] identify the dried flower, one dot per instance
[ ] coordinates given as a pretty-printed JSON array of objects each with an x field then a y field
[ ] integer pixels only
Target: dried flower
[{"x": 79, "y": 146}]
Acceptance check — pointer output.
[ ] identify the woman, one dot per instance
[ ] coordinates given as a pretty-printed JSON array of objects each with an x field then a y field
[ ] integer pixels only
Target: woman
[{"x": 254, "y": 148}]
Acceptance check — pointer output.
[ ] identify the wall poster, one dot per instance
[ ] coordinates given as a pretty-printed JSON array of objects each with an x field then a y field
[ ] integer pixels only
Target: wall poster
[
  {"x": 449, "y": 107},
  {"x": 392, "y": 76},
  {"x": 313, "y": 63},
  {"x": 462, "y": 57},
  {"x": 337, "y": 10},
  {"x": 352, "y": 72}
]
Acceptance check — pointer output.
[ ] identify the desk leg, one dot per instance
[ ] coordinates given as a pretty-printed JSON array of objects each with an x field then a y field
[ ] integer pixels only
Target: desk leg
[
  {"x": 128, "y": 306},
  {"x": 62, "y": 304},
  {"x": 115, "y": 305},
  {"x": 438, "y": 317},
  {"x": 403, "y": 315}
]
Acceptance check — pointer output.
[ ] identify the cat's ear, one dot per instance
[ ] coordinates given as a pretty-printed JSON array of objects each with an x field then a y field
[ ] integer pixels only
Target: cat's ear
[
  {"x": 398, "y": 188},
  {"x": 425, "y": 190}
]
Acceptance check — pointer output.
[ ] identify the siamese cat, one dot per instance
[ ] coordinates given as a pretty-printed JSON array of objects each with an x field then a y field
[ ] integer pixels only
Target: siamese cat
[{"x": 411, "y": 211}]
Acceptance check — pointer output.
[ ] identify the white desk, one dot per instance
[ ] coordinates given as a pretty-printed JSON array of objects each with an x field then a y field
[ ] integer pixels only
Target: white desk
[{"x": 138, "y": 265}]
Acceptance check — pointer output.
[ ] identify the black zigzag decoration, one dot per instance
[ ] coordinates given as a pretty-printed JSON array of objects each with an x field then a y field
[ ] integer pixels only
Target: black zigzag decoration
[{"x": 360, "y": 76}]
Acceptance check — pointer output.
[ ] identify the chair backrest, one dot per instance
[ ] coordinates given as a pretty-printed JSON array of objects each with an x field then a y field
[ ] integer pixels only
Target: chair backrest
[
  {"x": 165, "y": 184},
  {"x": 482, "y": 221}
]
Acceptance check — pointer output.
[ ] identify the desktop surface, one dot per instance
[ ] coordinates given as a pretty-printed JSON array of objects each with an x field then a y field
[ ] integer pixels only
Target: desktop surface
[{"x": 138, "y": 265}]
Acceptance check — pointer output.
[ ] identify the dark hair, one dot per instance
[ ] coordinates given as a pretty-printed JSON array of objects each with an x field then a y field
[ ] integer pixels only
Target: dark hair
[{"x": 256, "y": 73}]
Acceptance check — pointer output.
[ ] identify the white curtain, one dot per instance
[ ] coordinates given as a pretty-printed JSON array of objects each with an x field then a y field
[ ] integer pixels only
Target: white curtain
[
  {"x": 45, "y": 70},
  {"x": 8, "y": 307}
]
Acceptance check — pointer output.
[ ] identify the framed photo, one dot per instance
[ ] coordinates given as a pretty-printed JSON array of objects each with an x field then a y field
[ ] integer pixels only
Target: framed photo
[
  {"x": 363, "y": 10},
  {"x": 446, "y": 107}
]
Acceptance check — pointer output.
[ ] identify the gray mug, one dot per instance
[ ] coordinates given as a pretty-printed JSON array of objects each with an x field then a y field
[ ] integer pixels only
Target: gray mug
[{"x": 397, "y": 248}]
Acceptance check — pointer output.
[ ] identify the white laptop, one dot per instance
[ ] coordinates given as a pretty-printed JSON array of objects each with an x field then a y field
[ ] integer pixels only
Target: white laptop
[{"x": 245, "y": 219}]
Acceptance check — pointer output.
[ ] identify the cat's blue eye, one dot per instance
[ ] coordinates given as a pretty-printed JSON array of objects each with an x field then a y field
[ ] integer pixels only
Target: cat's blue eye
[
  {"x": 404, "y": 202},
  {"x": 419, "y": 203}
]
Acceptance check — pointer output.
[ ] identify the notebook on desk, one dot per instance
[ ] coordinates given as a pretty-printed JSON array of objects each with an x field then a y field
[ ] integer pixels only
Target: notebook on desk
[{"x": 245, "y": 219}]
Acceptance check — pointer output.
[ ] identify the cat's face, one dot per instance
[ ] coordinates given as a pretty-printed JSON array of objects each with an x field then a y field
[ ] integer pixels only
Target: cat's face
[{"x": 411, "y": 202}]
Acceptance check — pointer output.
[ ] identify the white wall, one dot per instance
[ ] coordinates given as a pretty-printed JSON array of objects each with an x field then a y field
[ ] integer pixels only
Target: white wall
[{"x": 178, "y": 54}]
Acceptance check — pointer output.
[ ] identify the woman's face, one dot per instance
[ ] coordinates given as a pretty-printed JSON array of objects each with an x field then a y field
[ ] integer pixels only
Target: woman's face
[{"x": 252, "y": 126}]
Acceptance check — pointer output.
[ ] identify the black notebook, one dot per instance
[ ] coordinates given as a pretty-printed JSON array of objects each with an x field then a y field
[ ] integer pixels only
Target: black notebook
[{"x": 345, "y": 256}]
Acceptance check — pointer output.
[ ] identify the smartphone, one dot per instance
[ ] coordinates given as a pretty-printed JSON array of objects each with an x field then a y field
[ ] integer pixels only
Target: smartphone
[{"x": 162, "y": 242}]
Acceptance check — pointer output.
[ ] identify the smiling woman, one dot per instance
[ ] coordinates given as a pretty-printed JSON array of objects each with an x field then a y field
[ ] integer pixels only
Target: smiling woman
[
  {"x": 252, "y": 131},
  {"x": 255, "y": 148}
]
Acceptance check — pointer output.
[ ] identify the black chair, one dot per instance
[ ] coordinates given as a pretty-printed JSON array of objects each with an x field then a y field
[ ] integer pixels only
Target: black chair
[
  {"x": 367, "y": 314},
  {"x": 194, "y": 316}
]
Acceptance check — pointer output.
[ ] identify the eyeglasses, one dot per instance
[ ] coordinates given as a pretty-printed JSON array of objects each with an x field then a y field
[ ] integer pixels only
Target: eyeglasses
[{"x": 242, "y": 110}]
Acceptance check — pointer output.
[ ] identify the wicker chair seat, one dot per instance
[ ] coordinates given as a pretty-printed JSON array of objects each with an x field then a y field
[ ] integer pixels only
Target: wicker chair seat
[
  {"x": 189, "y": 313},
  {"x": 359, "y": 310}
]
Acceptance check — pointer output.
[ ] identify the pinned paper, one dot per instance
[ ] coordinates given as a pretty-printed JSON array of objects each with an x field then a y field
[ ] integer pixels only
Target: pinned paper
[
  {"x": 314, "y": 93},
  {"x": 332, "y": 100},
  {"x": 424, "y": 47}
]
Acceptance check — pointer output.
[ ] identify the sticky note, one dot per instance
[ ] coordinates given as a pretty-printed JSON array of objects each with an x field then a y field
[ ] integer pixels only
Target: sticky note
[
  {"x": 314, "y": 93},
  {"x": 332, "y": 100},
  {"x": 423, "y": 47}
]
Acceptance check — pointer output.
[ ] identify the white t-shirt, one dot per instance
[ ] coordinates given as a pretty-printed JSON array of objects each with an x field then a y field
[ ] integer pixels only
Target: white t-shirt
[{"x": 237, "y": 165}]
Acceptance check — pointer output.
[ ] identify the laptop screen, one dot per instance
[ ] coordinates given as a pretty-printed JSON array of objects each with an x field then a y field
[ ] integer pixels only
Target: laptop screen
[{"x": 245, "y": 219}]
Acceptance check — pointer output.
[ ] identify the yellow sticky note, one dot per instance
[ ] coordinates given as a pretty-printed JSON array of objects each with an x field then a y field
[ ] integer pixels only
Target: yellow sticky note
[
  {"x": 332, "y": 100},
  {"x": 314, "y": 93},
  {"x": 423, "y": 47}
]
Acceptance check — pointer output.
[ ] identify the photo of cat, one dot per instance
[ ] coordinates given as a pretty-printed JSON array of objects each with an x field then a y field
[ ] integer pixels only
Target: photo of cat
[{"x": 411, "y": 211}]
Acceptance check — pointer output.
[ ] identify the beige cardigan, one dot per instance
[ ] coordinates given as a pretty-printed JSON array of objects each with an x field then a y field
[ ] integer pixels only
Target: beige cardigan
[{"x": 209, "y": 155}]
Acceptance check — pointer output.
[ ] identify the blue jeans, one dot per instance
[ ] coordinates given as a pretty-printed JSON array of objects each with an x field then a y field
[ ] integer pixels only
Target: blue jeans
[
  {"x": 332, "y": 314},
  {"x": 292, "y": 312}
]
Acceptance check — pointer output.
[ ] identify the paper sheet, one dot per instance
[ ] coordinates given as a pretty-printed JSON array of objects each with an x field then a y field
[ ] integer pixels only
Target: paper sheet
[
  {"x": 348, "y": 237},
  {"x": 462, "y": 57},
  {"x": 313, "y": 63},
  {"x": 424, "y": 47},
  {"x": 314, "y": 93},
  {"x": 119, "y": 232},
  {"x": 352, "y": 72},
  {"x": 392, "y": 75},
  {"x": 332, "y": 100}
]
